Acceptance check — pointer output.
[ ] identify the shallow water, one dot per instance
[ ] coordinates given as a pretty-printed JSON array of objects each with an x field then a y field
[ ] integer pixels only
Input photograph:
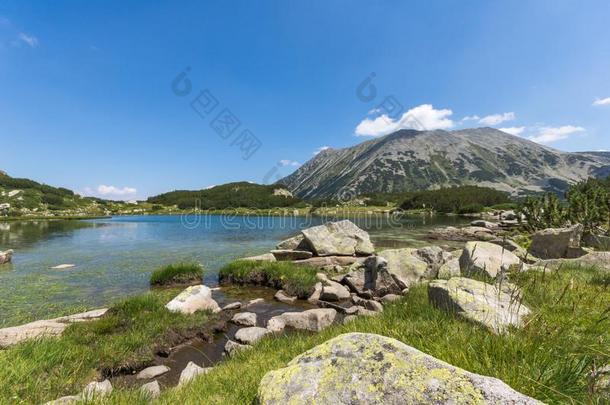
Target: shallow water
[{"x": 114, "y": 257}]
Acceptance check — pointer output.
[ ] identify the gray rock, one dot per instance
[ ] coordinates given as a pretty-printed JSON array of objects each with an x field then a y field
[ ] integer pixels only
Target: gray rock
[
  {"x": 349, "y": 318},
  {"x": 601, "y": 260},
  {"x": 480, "y": 302},
  {"x": 289, "y": 255},
  {"x": 192, "y": 299},
  {"x": 232, "y": 306},
  {"x": 267, "y": 257},
  {"x": 556, "y": 243},
  {"x": 406, "y": 268},
  {"x": 232, "y": 347},
  {"x": 276, "y": 325},
  {"x": 152, "y": 372},
  {"x": 481, "y": 223},
  {"x": 358, "y": 368},
  {"x": 362, "y": 311},
  {"x": 255, "y": 302},
  {"x": 450, "y": 269},
  {"x": 341, "y": 238},
  {"x": 191, "y": 371},
  {"x": 352, "y": 310},
  {"x": 390, "y": 298},
  {"x": 371, "y": 305},
  {"x": 469, "y": 233},
  {"x": 313, "y": 319},
  {"x": 373, "y": 278},
  {"x": 487, "y": 259},
  {"x": 250, "y": 335},
  {"x": 295, "y": 243},
  {"x": 244, "y": 319},
  {"x": 6, "y": 256},
  {"x": 96, "y": 390},
  {"x": 329, "y": 262},
  {"x": 281, "y": 296},
  {"x": 597, "y": 242},
  {"x": 315, "y": 296},
  {"x": 600, "y": 380},
  {"x": 152, "y": 390},
  {"x": 333, "y": 291}
]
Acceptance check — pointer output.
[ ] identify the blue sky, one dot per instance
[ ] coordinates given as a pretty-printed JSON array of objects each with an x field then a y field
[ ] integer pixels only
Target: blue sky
[{"x": 87, "y": 103}]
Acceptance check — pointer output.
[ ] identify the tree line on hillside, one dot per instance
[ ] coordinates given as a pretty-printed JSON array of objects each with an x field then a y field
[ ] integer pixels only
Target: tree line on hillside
[
  {"x": 586, "y": 203},
  {"x": 232, "y": 195},
  {"x": 457, "y": 200}
]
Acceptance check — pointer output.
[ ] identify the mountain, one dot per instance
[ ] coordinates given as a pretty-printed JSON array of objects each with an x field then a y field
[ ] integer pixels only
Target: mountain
[
  {"x": 231, "y": 195},
  {"x": 410, "y": 160}
]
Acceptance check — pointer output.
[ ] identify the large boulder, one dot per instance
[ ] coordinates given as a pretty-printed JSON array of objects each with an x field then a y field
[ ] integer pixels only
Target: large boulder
[
  {"x": 295, "y": 243},
  {"x": 556, "y": 243},
  {"x": 359, "y": 368},
  {"x": 194, "y": 298},
  {"x": 372, "y": 278},
  {"x": 487, "y": 259},
  {"x": 341, "y": 238},
  {"x": 6, "y": 256},
  {"x": 313, "y": 319},
  {"x": 490, "y": 305},
  {"x": 404, "y": 266}
]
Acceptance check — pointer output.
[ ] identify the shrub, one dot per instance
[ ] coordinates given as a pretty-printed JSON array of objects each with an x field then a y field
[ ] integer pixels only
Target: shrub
[
  {"x": 454, "y": 199},
  {"x": 179, "y": 273}
]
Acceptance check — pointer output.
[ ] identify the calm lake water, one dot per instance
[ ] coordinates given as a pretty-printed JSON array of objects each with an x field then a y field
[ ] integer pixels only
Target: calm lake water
[{"x": 114, "y": 257}]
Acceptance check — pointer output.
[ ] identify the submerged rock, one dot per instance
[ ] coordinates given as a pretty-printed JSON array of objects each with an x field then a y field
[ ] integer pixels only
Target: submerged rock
[
  {"x": 281, "y": 296},
  {"x": 342, "y": 238},
  {"x": 490, "y": 305},
  {"x": 487, "y": 259},
  {"x": 359, "y": 368},
  {"x": 192, "y": 299}
]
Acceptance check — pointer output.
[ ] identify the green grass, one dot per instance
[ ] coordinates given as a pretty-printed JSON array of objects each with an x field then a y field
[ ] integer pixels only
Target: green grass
[
  {"x": 549, "y": 359},
  {"x": 178, "y": 273},
  {"x": 295, "y": 280},
  {"x": 127, "y": 337}
]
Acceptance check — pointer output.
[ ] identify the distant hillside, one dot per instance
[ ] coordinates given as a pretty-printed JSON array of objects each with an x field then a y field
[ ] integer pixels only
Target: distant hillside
[
  {"x": 410, "y": 160},
  {"x": 24, "y": 197},
  {"x": 231, "y": 195}
]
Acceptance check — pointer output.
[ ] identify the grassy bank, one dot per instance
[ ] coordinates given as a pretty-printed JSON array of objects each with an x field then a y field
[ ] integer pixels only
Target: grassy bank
[
  {"x": 295, "y": 280},
  {"x": 550, "y": 359},
  {"x": 178, "y": 273},
  {"x": 127, "y": 337}
]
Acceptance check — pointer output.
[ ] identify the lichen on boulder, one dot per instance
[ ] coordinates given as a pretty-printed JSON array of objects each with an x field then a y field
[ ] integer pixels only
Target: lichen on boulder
[{"x": 359, "y": 368}]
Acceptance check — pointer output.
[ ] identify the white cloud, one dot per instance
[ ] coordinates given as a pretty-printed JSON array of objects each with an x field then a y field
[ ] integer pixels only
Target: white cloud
[
  {"x": 471, "y": 118},
  {"x": 552, "y": 134},
  {"x": 513, "y": 130},
  {"x": 320, "y": 149},
  {"x": 31, "y": 40},
  {"x": 602, "y": 101},
  {"x": 496, "y": 119},
  {"x": 110, "y": 192},
  {"x": 424, "y": 118},
  {"x": 287, "y": 162}
]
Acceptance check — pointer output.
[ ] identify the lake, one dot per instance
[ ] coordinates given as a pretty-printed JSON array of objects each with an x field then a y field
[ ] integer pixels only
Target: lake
[{"x": 114, "y": 257}]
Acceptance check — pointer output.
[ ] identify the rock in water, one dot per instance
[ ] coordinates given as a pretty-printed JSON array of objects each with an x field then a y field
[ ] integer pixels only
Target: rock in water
[
  {"x": 313, "y": 320},
  {"x": 195, "y": 298},
  {"x": 556, "y": 243},
  {"x": 489, "y": 305},
  {"x": 487, "y": 259},
  {"x": 281, "y": 296},
  {"x": 342, "y": 238},
  {"x": 6, "y": 256},
  {"x": 152, "y": 372},
  {"x": 359, "y": 368},
  {"x": 244, "y": 319},
  {"x": 251, "y": 335}
]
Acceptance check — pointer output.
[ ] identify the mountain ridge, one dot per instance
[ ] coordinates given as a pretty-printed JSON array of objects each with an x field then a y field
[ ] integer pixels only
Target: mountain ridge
[{"x": 411, "y": 160}]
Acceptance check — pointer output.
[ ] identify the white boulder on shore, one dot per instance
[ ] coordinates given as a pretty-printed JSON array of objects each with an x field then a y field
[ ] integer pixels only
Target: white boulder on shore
[
  {"x": 6, "y": 256},
  {"x": 487, "y": 259},
  {"x": 361, "y": 368},
  {"x": 192, "y": 299},
  {"x": 341, "y": 238}
]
